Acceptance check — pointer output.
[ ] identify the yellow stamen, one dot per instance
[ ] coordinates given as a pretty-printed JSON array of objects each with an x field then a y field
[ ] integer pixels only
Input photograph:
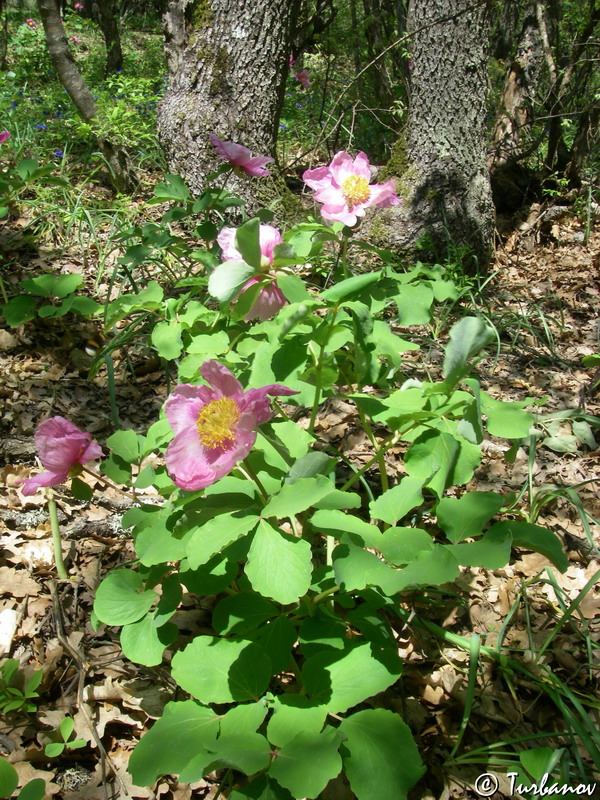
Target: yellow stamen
[
  {"x": 216, "y": 422},
  {"x": 356, "y": 190}
]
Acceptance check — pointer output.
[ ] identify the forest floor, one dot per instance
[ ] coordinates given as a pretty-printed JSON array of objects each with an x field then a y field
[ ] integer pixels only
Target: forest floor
[{"x": 544, "y": 300}]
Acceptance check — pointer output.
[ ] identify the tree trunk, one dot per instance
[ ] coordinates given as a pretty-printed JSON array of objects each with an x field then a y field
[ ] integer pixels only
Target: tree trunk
[
  {"x": 520, "y": 86},
  {"x": 104, "y": 14},
  {"x": 228, "y": 63},
  {"x": 446, "y": 188},
  {"x": 70, "y": 77}
]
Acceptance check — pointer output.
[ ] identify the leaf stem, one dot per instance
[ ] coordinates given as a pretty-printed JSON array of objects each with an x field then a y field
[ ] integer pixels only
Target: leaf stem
[
  {"x": 55, "y": 528},
  {"x": 249, "y": 473}
]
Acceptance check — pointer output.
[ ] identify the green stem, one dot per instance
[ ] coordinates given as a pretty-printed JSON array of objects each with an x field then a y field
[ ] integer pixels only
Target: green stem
[
  {"x": 385, "y": 485},
  {"x": 253, "y": 476},
  {"x": 343, "y": 257},
  {"x": 55, "y": 527},
  {"x": 322, "y": 595},
  {"x": 385, "y": 445},
  {"x": 319, "y": 367}
]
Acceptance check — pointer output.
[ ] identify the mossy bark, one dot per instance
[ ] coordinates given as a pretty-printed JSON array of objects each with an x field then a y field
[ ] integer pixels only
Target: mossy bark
[
  {"x": 228, "y": 62},
  {"x": 445, "y": 186}
]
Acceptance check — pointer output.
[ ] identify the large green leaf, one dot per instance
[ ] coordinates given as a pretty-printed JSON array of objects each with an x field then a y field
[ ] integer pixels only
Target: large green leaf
[
  {"x": 247, "y": 241},
  {"x": 298, "y": 496},
  {"x": 243, "y": 750},
  {"x": 401, "y": 545},
  {"x": 398, "y": 501},
  {"x": 126, "y": 445},
  {"x": 242, "y": 613},
  {"x": 534, "y": 537},
  {"x": 492, "y": 551},
  {"x": 51, "y": 285},
  {"x": 210, "y": 538},
  {"x": 231, "y": 670},
  {"x": 414, "y": 304},
  {"x": 227, "y": 279},
  {"x": 356, "y": 568},
  {"x": 464, "y": 518},
  {"x": 261, "y": 788},
  {"x": 441, "y": 460},
  {"x": 340, "y": 525},
  {"x": 166, "y": 337},
  {"x": 121, "y": 599},
  {"x": 279, "y": 566},
  {"x": 307, "y": 763},
  {"x": 350, "y": 287},
  {"x": 341, "y": 680},
  {"x": 506, "y": 419},
  {"x": 181, "y": 735},
  {"x": 9, "y": 778},
  {"x": 429, "y": 568},
  {"x": 467, "y": 338},
  {"x": 144, "y": 643},
  {"x": 277, "y": 638},
  {"x": 379, "y": 743},
  {"x": 293, "y": 713}
]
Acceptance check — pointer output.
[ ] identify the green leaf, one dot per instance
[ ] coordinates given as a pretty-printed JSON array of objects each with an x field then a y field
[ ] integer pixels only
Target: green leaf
[
  {"x": 340, "y": 681},
  {"x": 66, "y": 728},
  {"x": 210, "y": 578},
  {"x": 33, "y": 790},
  {"x": 401, "y": 545},
  {"x": 19, "y": 310},
  {"x": 182, "y": 734},
  {"x": 533, "y": 537},
  {"x": 506, "y": 419},
  {"x": 336, "y": 523},
  {"x": 243, "y": 750},
  {"x": 126, "y": 445},
  {"x": 247, "y": 242},
  {"x": 242, "y": 613},
  {"x": 293, "y": 288},
  {"x": 414, "y": 304},
  {"x": 429, "y": 568},
  {"x": 144, "y": 643},
  {"x": 277, "y": 638},
  {"x": 231, "y": 670},
  {"x": 583, "y": 431},
  {"x": 441, "y": 460},
  {"x": 279, "y": 566},
  {"x": 293, "y": 713},
  {"x": 537, "y": 761},
  {"x": 373, "y": 740},
  {"x": 173, "y": 188},
  {"x": 166, "y": 337},
  {"x": 9, "y": 778},
  {"x": 564, "y": 443},
  {"x": 121, "y": 599},
  {"x": 398, "y": 501},
  {"x": 467, "y": 338},
  {"x": 464, "y": 518},
  {"x": 309, "y": 465},
  {"x": 350, "y": 286},
  {"x": 216, "y": 534},
  {"x": 319, "y": 750},
  {"x": 80, "y": 490},
  {"x": 321, "y": 632},
  {"x": 261, "y": 788},
  {"x": 54, "y": 749},
  {"x": 356, "y": 568},
  {"x": 492, "y": 551},
  {"x": 51, "y": 285},
  {"x": 298, "y": 496},
  {"x": 116, "y": 468},
  {"x": 591, "y": 361},
  {"x": 227, "y": 279}
]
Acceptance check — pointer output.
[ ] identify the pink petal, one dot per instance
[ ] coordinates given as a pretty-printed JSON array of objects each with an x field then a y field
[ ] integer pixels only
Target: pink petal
[
  {"x": 184, "y": 404},
  {"x": 344, "y": 215},
  {"x": 4, "y": 136},
  {"x": 268, "y": 238},
  {"x": 226, "y": 241},
  {"x": 383, "y": 195},
  {"x": 221, "y": 379},
  {"x": 230, "y": 151},
  {"x": 256, "y": 400},
  {"x": 317, "y": 178},
  {"x": 60, "y": 443},
  {"x": 186, "y": 462},
  {"x": 91, "y": 453},
  {"x": 268, "y": 302},
  {"x": 255, "y": 166},
  {"x": 31, "y": 485},
  {"x": 341, "y": 167}
]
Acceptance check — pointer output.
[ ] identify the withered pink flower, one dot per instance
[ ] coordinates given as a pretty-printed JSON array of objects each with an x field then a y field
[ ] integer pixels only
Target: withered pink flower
[
  {"x": 4, "y": 136},
  {"x": 303, "y": 78},
  {"x": 240, "y": 157},
  {"x": 343, "y": 188},
  {"x": 60, "y": 445},
  {"x": 270, "y": 298},
  {"x": 214, "y": 426}
]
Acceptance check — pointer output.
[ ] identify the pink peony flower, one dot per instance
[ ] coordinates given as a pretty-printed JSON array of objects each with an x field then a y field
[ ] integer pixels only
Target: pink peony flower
[
  {"x": 214, "y": 426},
  {"x": 343, "y": 188},
  {"x": 270, "y": 298},
  {"x": 60, "y": 445},
  {"x": 31, "y": 22},
  {"x": 78, "y": 6},
  {"x": 303, "y": 78},
  {"x": 240, "y": 157},
  {"x": 4, "y": 136},
  {"x": 292, "y": 60}
]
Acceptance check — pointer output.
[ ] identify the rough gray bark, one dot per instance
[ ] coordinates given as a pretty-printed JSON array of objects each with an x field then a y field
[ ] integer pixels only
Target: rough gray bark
[
  {"x": 71, "y": 79},
  {"x": 445, "y": 187},
  {"x": 228, "y": 62}
]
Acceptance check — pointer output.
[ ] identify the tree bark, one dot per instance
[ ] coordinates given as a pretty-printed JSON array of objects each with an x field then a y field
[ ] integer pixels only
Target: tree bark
[
  {"x": 70, "y": 77},
  {"x": 228, "y": 63},
  {"x": 446, "y": 187},
  {"x": 518, "y": 95},
  {"x": 105, "y": 15}
]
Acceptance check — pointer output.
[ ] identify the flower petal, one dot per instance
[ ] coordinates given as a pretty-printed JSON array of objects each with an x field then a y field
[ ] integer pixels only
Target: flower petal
[
  {"x": 31, "y": 485},
  {"x": 230, "y": 151},
  {"x": 226, "y": 241},
  {"x": 317, "y": 178},
  {"x": 221, "y": 379},
  {"x": 255, "y": 166},
  {"x": 268, "y": 238},
  {"x": 186, "y": 462},
  {"x": 184, "y": 405},
  {"x": 91, "y": 453},
  {"x": 383, "y": 195}
]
